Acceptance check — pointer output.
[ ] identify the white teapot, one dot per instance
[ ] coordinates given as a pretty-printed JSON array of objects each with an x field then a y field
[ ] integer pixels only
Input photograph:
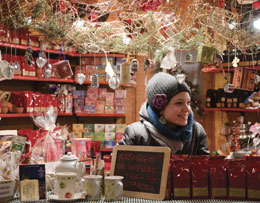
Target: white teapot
[{"x": 70, "y": 163}]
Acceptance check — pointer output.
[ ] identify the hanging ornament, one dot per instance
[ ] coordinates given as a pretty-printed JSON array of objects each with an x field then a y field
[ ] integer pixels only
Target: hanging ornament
[
  {"x": 235, "y": 62},
  {"x": 134, "y": 66},
  {"x": 257, "y": 79},
  {"x": 48, "y": 71},
  {"x": 169, "y": 61},
  {"x": 229, "y": 88},
  {"x": 15, "y": 66},
  {"x": 180, "y": 78},
  {"x": 6, "y": 72},
  {"x": 29, "y": 56},
  {"x": 109, "y": 70},
  {"x": 80, "y": 77},
  {"x": 189, "y": 59},
  {"x": 94, "y": 79},
  {"x": 114, "y": 82},
  {"x": 147, "y": 65},
  {"x": 41, "y": 59}
]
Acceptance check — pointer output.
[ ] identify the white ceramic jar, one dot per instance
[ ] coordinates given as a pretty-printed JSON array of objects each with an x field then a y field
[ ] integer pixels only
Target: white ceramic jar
[
  {"x": 93, "y": 187},
  {"x": 113, "y": 188}
]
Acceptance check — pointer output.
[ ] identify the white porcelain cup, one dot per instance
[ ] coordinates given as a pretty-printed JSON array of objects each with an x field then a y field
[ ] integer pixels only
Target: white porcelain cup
[
  {"x": 65, "y": 185},
  {"x": 113, "y": 188},
  {"x": 93, "y": 187}
]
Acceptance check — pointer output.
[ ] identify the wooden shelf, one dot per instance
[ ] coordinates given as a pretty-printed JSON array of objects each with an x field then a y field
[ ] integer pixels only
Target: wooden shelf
[
  {"x": 89, "y": 82},
  {"x": 105, "y": 150},
  {"x": 232, "y": 109},
  {"x": 30, "y": 78},
  {"x": 16, "y": 115},
  {"x": 99, "y": 115},
  {"x": 57, "y": 51},
  {"x": 216, "y": 70}
]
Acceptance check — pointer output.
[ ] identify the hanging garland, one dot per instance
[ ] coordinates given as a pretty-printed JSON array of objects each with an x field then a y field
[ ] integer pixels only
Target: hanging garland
[{"x": 143, "y": 27}]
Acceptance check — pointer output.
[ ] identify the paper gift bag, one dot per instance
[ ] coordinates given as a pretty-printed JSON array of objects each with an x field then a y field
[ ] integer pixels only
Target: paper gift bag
[
  {"x": 62, "y": 69},
  {"x": 206, "y": 54}
]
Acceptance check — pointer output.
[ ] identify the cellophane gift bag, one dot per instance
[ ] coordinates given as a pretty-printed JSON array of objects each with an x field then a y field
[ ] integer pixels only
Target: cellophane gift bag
[
  {"x": 181, "y": 177},
  {"x": 218, "y": 177},
  {"x": 48, "y": 147},
  {"x": 237, "y": 179},
  {"x": 200, "y": 177},
  {"x": 253, "y": 177}
]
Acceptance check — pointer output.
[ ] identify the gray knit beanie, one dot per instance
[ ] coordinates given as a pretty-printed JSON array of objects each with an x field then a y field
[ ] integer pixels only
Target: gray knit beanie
[{"x": 161, "y": 88}]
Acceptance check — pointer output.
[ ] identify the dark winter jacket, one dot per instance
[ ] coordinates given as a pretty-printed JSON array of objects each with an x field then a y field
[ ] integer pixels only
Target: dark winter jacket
[{"x": 144, "y": 133}]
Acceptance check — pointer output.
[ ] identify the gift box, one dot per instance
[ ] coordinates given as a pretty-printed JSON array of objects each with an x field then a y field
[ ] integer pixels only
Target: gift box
[
  {"x": 109, "y": 109},
  {"x": 253, "y": 177},
  {"x": 89, "y": 135},
  {"x": 199, "y": 177},
  {"x": 102, "y": 93},
  {"x": 28, "y": 101},
  {"x": 110, "y": 135},
  {"x": 99, "y": 136},
  {"x": 100, "y": 106},
  {"x": 109, "y": 144},
  {"x": 120, "y": 94},
  {"x": 77, "y": 127},
  {"x": 34, "y": 172},
  {"x": 118, "y": 136},
  {"x": 88, "y": 127},
  {"x": 181, "y": 177},
  {"x": 237, "y": 179},
  {"x": 110, "y": 127},
  {"x": 120, "y": 128},
  {"x": 218, "y": 177},
  {"x": 62, "y": 69},
  {"x": 99, "y": 127},
  {"x": 78, "y": 147}
]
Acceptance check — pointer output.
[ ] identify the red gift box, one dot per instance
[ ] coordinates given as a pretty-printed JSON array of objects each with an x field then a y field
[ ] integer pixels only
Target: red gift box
[
  {"x": 36, "y": 101},
  {"x": 218, "y": 177},
  {"x": 253, "y": 177},
  {"x": 237, "y": 179},
  {"x": 54, "y": 102},
  {"x": 200, "y": 177},
  {"x": 62, "y": 69},
  {"x": 28, "y": 101},
  {"x": 181, "y": 177}
]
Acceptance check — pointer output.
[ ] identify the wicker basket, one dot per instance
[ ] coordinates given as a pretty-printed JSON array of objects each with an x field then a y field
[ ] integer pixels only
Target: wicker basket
[{"x": 3, "y": 185}]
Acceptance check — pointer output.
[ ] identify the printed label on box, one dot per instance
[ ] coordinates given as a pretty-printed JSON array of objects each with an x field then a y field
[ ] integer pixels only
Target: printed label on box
[
  {"x": 99, "y": 127},
  {"x": 110, "y": 127},
  {"x": 110, "y": 136}
]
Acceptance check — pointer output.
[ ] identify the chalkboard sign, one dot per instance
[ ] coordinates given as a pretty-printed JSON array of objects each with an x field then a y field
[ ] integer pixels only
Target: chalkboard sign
[{"x": 145, "y": 170}]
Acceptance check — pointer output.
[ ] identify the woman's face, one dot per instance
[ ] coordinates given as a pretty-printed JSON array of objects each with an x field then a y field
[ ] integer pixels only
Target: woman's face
[{"x": 178, "y": 109}]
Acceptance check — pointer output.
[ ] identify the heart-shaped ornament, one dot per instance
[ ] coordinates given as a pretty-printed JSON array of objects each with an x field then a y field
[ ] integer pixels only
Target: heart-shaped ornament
[
  {"x": 180, "y": 78},
  {"x": 80, "y": 77}
]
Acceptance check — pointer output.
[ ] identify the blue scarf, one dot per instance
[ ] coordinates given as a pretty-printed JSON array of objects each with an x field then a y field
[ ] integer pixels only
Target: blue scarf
[{"x": 180, "y": 133}]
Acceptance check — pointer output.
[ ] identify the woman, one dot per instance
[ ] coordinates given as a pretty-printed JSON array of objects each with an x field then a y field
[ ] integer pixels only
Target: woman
[{"x": 166, "y": 119}]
